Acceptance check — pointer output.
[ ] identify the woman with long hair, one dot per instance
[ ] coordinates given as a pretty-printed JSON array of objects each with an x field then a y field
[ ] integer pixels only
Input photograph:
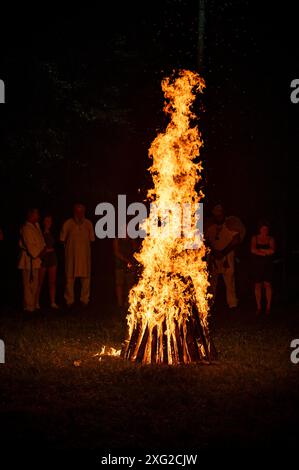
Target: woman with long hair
[
  {"x": 262, "y": 249},
  {"x": 48, "y": 262}
]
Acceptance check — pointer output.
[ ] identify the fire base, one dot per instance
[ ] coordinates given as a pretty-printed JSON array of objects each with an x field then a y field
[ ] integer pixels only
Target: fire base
[{"x": 170, "y": 341}]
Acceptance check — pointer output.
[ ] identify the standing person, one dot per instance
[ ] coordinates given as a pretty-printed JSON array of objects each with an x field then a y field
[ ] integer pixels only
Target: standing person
[
  {"x": 48, "y": 262},
  {"x": 223, "y": 235},
  {"x": 124, "y": 249},
  {"x": 77, "y": 233},
  {"x": 32, "y": 246},
  {"x": 262, "y": 249}
]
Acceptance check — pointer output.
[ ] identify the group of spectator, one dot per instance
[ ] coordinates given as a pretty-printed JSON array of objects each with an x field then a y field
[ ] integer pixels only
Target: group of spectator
[
  {"x": 38, "y": 258},
  {"x": 223, "y": 235}
]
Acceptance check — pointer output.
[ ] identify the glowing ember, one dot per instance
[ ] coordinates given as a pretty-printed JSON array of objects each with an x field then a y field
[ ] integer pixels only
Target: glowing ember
[
  {"x": 109, "y": 351},
  {"x": 168, "y": 310}
]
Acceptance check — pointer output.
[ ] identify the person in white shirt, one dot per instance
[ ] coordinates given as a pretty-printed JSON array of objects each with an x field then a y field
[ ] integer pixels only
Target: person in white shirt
[
  {"x": 32, "y": 246},
  {"x": 77, "y": 234},
  {"x": 223, "y": 235}
]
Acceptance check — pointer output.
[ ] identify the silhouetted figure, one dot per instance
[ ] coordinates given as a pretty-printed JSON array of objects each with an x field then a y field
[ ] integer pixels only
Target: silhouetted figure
[
  {"x": 77, "y": 234},
  {"x": 124, "y": 249},
  {"x": 223, "y": 235},
  {"x": 32, "y": 246},
  {"x": 262, "y": 249},
  {"x": 48, "y": 262}
]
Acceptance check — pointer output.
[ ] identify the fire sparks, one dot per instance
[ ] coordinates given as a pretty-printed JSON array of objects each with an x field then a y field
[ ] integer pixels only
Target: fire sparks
[
  {"x": 109, "y": 351},
  {"x": 168, "y": 313}
]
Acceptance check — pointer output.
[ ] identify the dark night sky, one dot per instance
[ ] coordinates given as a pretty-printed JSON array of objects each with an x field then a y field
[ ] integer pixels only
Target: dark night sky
[{"x": 84, "y": 102}]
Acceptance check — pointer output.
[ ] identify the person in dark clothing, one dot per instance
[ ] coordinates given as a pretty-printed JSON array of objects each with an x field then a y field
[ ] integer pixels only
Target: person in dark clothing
[
  {"x": 124, "y": 248},
  {"x": 262, "y": 249},
  {"x": 48, "y": 262}
]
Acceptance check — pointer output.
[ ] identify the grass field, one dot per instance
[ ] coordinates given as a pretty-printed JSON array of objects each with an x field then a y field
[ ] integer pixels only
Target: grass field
[{"x": 56, "y": 394}]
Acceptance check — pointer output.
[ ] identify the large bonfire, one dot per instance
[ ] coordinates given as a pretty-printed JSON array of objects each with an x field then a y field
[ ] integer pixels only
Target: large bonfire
[{"x": 168, "y": 312}]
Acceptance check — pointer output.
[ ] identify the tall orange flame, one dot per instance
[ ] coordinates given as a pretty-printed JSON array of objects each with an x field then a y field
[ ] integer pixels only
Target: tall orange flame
[{"x": 168, "y": 312}]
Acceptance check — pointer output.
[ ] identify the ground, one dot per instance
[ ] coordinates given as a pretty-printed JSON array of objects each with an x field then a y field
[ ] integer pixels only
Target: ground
[{"x": 56, "y": 394}]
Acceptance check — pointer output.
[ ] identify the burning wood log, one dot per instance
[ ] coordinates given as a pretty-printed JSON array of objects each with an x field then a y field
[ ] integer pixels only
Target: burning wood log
[
  {"x": 168, "y": 312},
  {"x": 187, "y": 340}
]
